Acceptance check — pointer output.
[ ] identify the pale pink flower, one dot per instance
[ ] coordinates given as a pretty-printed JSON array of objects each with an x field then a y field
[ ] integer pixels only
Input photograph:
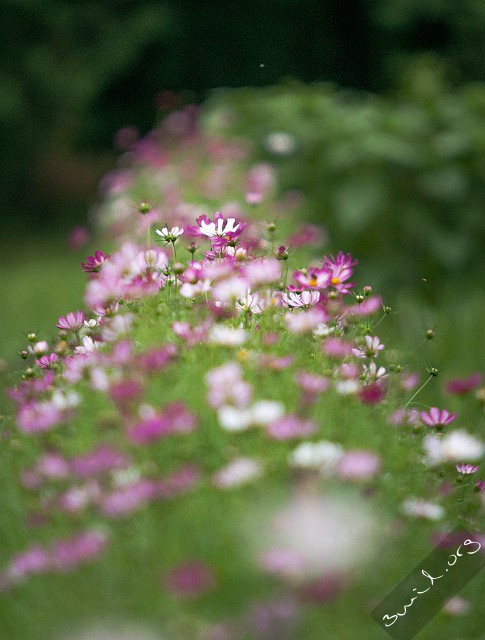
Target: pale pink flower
[
  {"x": 189, "y": 580},
  {"x": 47, "y": 362},
  {"x": 358, "y": 465},
  {"x": 250, "y": 303},
  {"x": 459, "y": 386},
  {"x": 305, "y": 321},
  {"x": 237, "y": 472},
  {"x": 438, "y": 418},
  {"x": 370, "y": 349},
  {"x": 262, "y": 271},
  {"x": 466, "y": 469},
  {"x": 226, "y": 386},
  {"x": 337, "y": 347},
  {"x": 72, "y": 321},
  {"x": 289, "y": 427}
]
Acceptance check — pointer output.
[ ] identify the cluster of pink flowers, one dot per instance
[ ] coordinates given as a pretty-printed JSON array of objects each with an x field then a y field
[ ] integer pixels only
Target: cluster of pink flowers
[{"x": 229, "y": 305}]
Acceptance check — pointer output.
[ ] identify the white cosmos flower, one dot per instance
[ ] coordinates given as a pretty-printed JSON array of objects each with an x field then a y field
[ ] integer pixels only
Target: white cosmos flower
[
  {"x": 220, "y": 228},
  {"x": 237, "y": 472},
  {"x": 422, "y": 509},
  {"x": 227, "y": 336},
  {"x": 457, "y": 446},
  {"x": 232, "y": 419},
  {"x": 170, "y": 235},
  {"x": 322, "y": 455},
  {"x": 266, "y": 411}
]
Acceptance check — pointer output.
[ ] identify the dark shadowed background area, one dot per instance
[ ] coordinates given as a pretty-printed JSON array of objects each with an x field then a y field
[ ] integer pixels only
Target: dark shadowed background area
[{"x": 73, "y": 73}]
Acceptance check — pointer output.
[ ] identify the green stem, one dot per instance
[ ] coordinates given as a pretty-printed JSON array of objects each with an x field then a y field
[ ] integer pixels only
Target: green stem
[
  {"x": 418, "y": 391},
  {"x": 149, "y": 239}
]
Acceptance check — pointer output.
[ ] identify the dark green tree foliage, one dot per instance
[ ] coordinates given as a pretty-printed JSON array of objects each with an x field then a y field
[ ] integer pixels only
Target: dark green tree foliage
[
  {"x": 398, "y": 180},
  {"x": 74, "y": 71}
]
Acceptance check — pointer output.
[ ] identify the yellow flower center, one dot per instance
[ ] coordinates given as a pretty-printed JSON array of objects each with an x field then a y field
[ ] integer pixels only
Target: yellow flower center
[{"x": 334, "y": 281}]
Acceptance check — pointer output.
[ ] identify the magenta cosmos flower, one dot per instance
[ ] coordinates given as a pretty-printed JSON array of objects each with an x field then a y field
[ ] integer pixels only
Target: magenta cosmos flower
[
  {"x": 94, "y": 263},
  {"x": 340, "y": 270},
  {"x": 459, "y": 386},
  {"x": 438, "y": 418}
]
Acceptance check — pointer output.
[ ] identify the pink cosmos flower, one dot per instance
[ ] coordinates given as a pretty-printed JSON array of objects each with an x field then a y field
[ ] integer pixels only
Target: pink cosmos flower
[
  {"x": 53, "y": 465},
  {"x": 33, "y": 560},
  {"x": 99, "y": 461},
  {"x": 366, "y": 308},
  {"x": 128, "y": 498},
  {"x": 226, "y": 386},
  {"x": 156, "y": 359},
  {"x": 310, "y": 383},
  {"x": 35, "y": 417},
  {"x": 289, "y": 427},
  {"x": 438, "y": 418},
  {"x": 308, "y": 234},
  {"x": 314, "y": 279},
  {"x": 175, "y": 419},
  {"x": 404, "y": 416},
  {"x": 190, "y": 579},
  {"x": 358, "y": 465},
  {"x": 337, "y": 348},
  {"x": 305, "y": 321},
  {"x": 78, "y": 238},
  {"x": 480, "y": 485},
  {"x": 94, "y": 263},
  {"x": 76, "y": 499},
  {"x": 72, "y": 321},
  {"x": 178, "y": 482},
  {"x": 459, "y": 386},
  {"x": 67, "y": 554},
  {"x": 259, "y": 181},
  {"x": 47, "y": 362},
  {"x": 372, "y": 393},
  {"x": 340, "y": 270},
  {"x": 466, "y": 469},
  {"x": 370, "y": 349},
  {"x": 263, "y": 271}
]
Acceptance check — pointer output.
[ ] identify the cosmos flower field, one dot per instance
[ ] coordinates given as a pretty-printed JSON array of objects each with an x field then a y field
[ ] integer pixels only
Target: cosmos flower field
[{"x": 219, "y": 445}]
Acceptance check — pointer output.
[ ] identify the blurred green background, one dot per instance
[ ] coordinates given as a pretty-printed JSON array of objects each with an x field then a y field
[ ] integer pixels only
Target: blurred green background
[{"x": 375, "y": 109}]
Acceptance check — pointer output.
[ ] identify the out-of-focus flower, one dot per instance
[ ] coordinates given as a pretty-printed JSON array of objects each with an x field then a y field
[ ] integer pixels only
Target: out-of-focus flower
[
  {"x": 466, "y": 469},
  {"x": 289, "y": 427},
  {"x": 453, "y": 447},
  {"x": 423, "y": 509},
  {"x": 239, "y": 471},
  {"x": 437, "y": 418},
  {"x": 358, "y": 465},
  {"x": 322, "y": 456},
  {"x": 303, "y": 299},
  {"x": 311, "y": 535},
  {"x": 189, "y": 580},
  {"x": 460, "y": 386},
  {"x": 227, "y": 336}
]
